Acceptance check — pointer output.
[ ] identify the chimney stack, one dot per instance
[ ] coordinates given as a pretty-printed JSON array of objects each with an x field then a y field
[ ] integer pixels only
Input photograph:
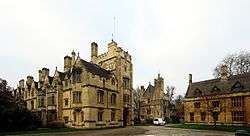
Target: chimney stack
[{"x": 190, "y": 78}]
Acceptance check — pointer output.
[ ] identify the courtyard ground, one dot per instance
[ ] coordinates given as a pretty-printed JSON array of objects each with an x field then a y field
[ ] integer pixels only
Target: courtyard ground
[{"x": 139, "y": 131}]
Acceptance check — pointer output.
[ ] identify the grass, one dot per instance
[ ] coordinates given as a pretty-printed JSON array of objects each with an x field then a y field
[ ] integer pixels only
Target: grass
[
  {"x": 210, "y": 127},
  {"x": 51, "y": 130}
]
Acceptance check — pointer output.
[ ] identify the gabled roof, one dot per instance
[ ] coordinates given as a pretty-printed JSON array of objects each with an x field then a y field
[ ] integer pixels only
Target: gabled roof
[
  {"x": 50, "y": 79},
  {"x": 95, "y": 69},
  {"x": 149, "y": 91},
  {"x": 235, "y": 83}
]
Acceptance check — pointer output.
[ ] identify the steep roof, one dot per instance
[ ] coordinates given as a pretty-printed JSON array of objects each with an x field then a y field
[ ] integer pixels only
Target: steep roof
[
  {"x": 235, "y": 83},
  {"x": 149, "y": 91},
  {"x": 95, "y": 69}
]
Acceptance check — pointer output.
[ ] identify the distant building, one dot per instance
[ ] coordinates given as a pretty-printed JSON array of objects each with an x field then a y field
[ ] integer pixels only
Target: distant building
[
  {"x": 226, "y": 98},
  {"x": 86, "y": 94},
  {"x": 153, "y": 101}
]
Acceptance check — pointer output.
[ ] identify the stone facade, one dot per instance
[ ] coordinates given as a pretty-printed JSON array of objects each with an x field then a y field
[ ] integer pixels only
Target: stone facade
[
  {"x": 86, "y": 94},
  {"x": 224, "y": 100},
  {"x": 152, "y": 101}
]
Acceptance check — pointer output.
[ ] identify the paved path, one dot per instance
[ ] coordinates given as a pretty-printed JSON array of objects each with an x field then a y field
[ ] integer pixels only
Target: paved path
[
  {"x": 166, "y": 131},
  {"x": 141, "y": 131}
]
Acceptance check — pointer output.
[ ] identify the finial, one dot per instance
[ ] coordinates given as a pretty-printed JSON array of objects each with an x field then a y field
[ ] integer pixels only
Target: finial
[
  {"x": 78, "y": 54},
  {"x": 56, "y": 68},
  {"x": 73, "y": 53}
]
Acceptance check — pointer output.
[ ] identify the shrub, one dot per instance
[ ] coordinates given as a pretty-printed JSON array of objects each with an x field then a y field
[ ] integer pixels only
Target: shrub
[{"x": 56, "y": 124}]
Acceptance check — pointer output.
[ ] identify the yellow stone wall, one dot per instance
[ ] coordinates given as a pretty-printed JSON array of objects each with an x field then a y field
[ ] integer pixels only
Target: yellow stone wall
[{"x": 225, "y": 116}]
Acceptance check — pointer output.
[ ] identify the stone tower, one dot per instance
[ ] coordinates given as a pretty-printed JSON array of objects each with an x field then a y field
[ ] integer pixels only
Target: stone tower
[
  {"x": 119, "y": 62},
  {"x": 159, "y": 87}
]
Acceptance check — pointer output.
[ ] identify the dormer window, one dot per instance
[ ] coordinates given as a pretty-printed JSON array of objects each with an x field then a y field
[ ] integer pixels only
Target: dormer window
[
  {"x": 77, "y": 75},
  {"x": 237, "y": 86},
  {"x": 215, "y": 89},
  {"x": 197, "y": 92}
]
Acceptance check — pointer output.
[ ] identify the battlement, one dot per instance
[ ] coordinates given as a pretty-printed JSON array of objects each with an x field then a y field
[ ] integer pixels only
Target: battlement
[{"x": 114, "y": 51}]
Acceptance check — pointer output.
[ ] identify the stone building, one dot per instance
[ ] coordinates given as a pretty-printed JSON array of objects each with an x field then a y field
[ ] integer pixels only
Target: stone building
[
  {"x": 224, "y": 100},
  {"x": 86, "y": 94},
  {"x": 153, "y": 103}
]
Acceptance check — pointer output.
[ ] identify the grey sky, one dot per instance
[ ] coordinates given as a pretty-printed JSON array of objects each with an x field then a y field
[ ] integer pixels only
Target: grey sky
[{"x": 173, "y": 37}]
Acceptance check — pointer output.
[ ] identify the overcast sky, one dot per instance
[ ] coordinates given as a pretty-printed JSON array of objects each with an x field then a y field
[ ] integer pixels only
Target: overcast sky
[{"x": 171, "y": 37}]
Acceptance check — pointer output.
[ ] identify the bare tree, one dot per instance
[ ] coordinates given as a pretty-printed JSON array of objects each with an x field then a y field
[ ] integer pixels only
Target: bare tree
[
  {"x": 179, "y": 107},
  {"x": 169, "y": 104},
  {"x": 237, "y": 63},
  {"x": 137, "y": 95},
  {"x": 170, "y": 92}
]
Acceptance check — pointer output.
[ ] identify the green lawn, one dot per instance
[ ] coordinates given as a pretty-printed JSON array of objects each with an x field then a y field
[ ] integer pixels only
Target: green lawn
[
  {"x": 209, "y": 127},
  {"x": 50, "y": 130}
]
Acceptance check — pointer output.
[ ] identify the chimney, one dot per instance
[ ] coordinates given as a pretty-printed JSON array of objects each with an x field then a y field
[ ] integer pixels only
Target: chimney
[
  {"x": 21, "y": 83},
  {"x": 73, "y": 54},
  {"x": 94, "y": 51},
  {"x": 29, "y": 80},
  {"x": 45, "y": 71},
  {"x": 190, "y": 78},
  {"x": 142, "y": 88}
]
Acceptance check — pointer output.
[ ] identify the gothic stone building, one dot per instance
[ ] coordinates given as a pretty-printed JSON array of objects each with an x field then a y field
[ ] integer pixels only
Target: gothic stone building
[
  {"x": 86, "y": 94},
  {"x": 152, "y": 100},
  {"x": 224, "y": 100}
]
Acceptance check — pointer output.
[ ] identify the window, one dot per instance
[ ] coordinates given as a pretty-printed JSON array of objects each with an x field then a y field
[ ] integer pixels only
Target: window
[
  {"x": 113, "y": 81},
  {"x": 126, "y": 98},
  {"x": 238, "y": 115},
  {"x": 203, "y": 116},
  {"x": 148, "y": 111},
  {"x": 237, "y": 101},
  {"x": 66, "y": 102},
  {"x": 197, "y": 92},
  {"x": 148, "y": 100},
  {"x": 74, "y": 116},
  {"x": 100, "y": 95},
  {"x": 41, "y": 102},
  {"x": 125, "y": 68},
  {"x": 51, "y": 100},
  {"x": 77, "y": 97},
  {"x": 126, "y": 84},
  {"x": 191, "y": 116},
  {"x": 76, "y": 75},
  {"x": 66, "y": 119},
  {"x": 215, "y": 103},
  {"x": 82, "y": 116},
  {"x": 100, "y": 113},
  {"x": 32, "y": 105},
  {"x": 112, "y": 115},
  {"x": 113, "y": 99},
  {"x": 215, "y": 89},
  {"x": 237, "y": 86},
  {"x": 32, "y": 92},
  {"x": 66, "y": 83},
  {"x": 197, "y": 105}
]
